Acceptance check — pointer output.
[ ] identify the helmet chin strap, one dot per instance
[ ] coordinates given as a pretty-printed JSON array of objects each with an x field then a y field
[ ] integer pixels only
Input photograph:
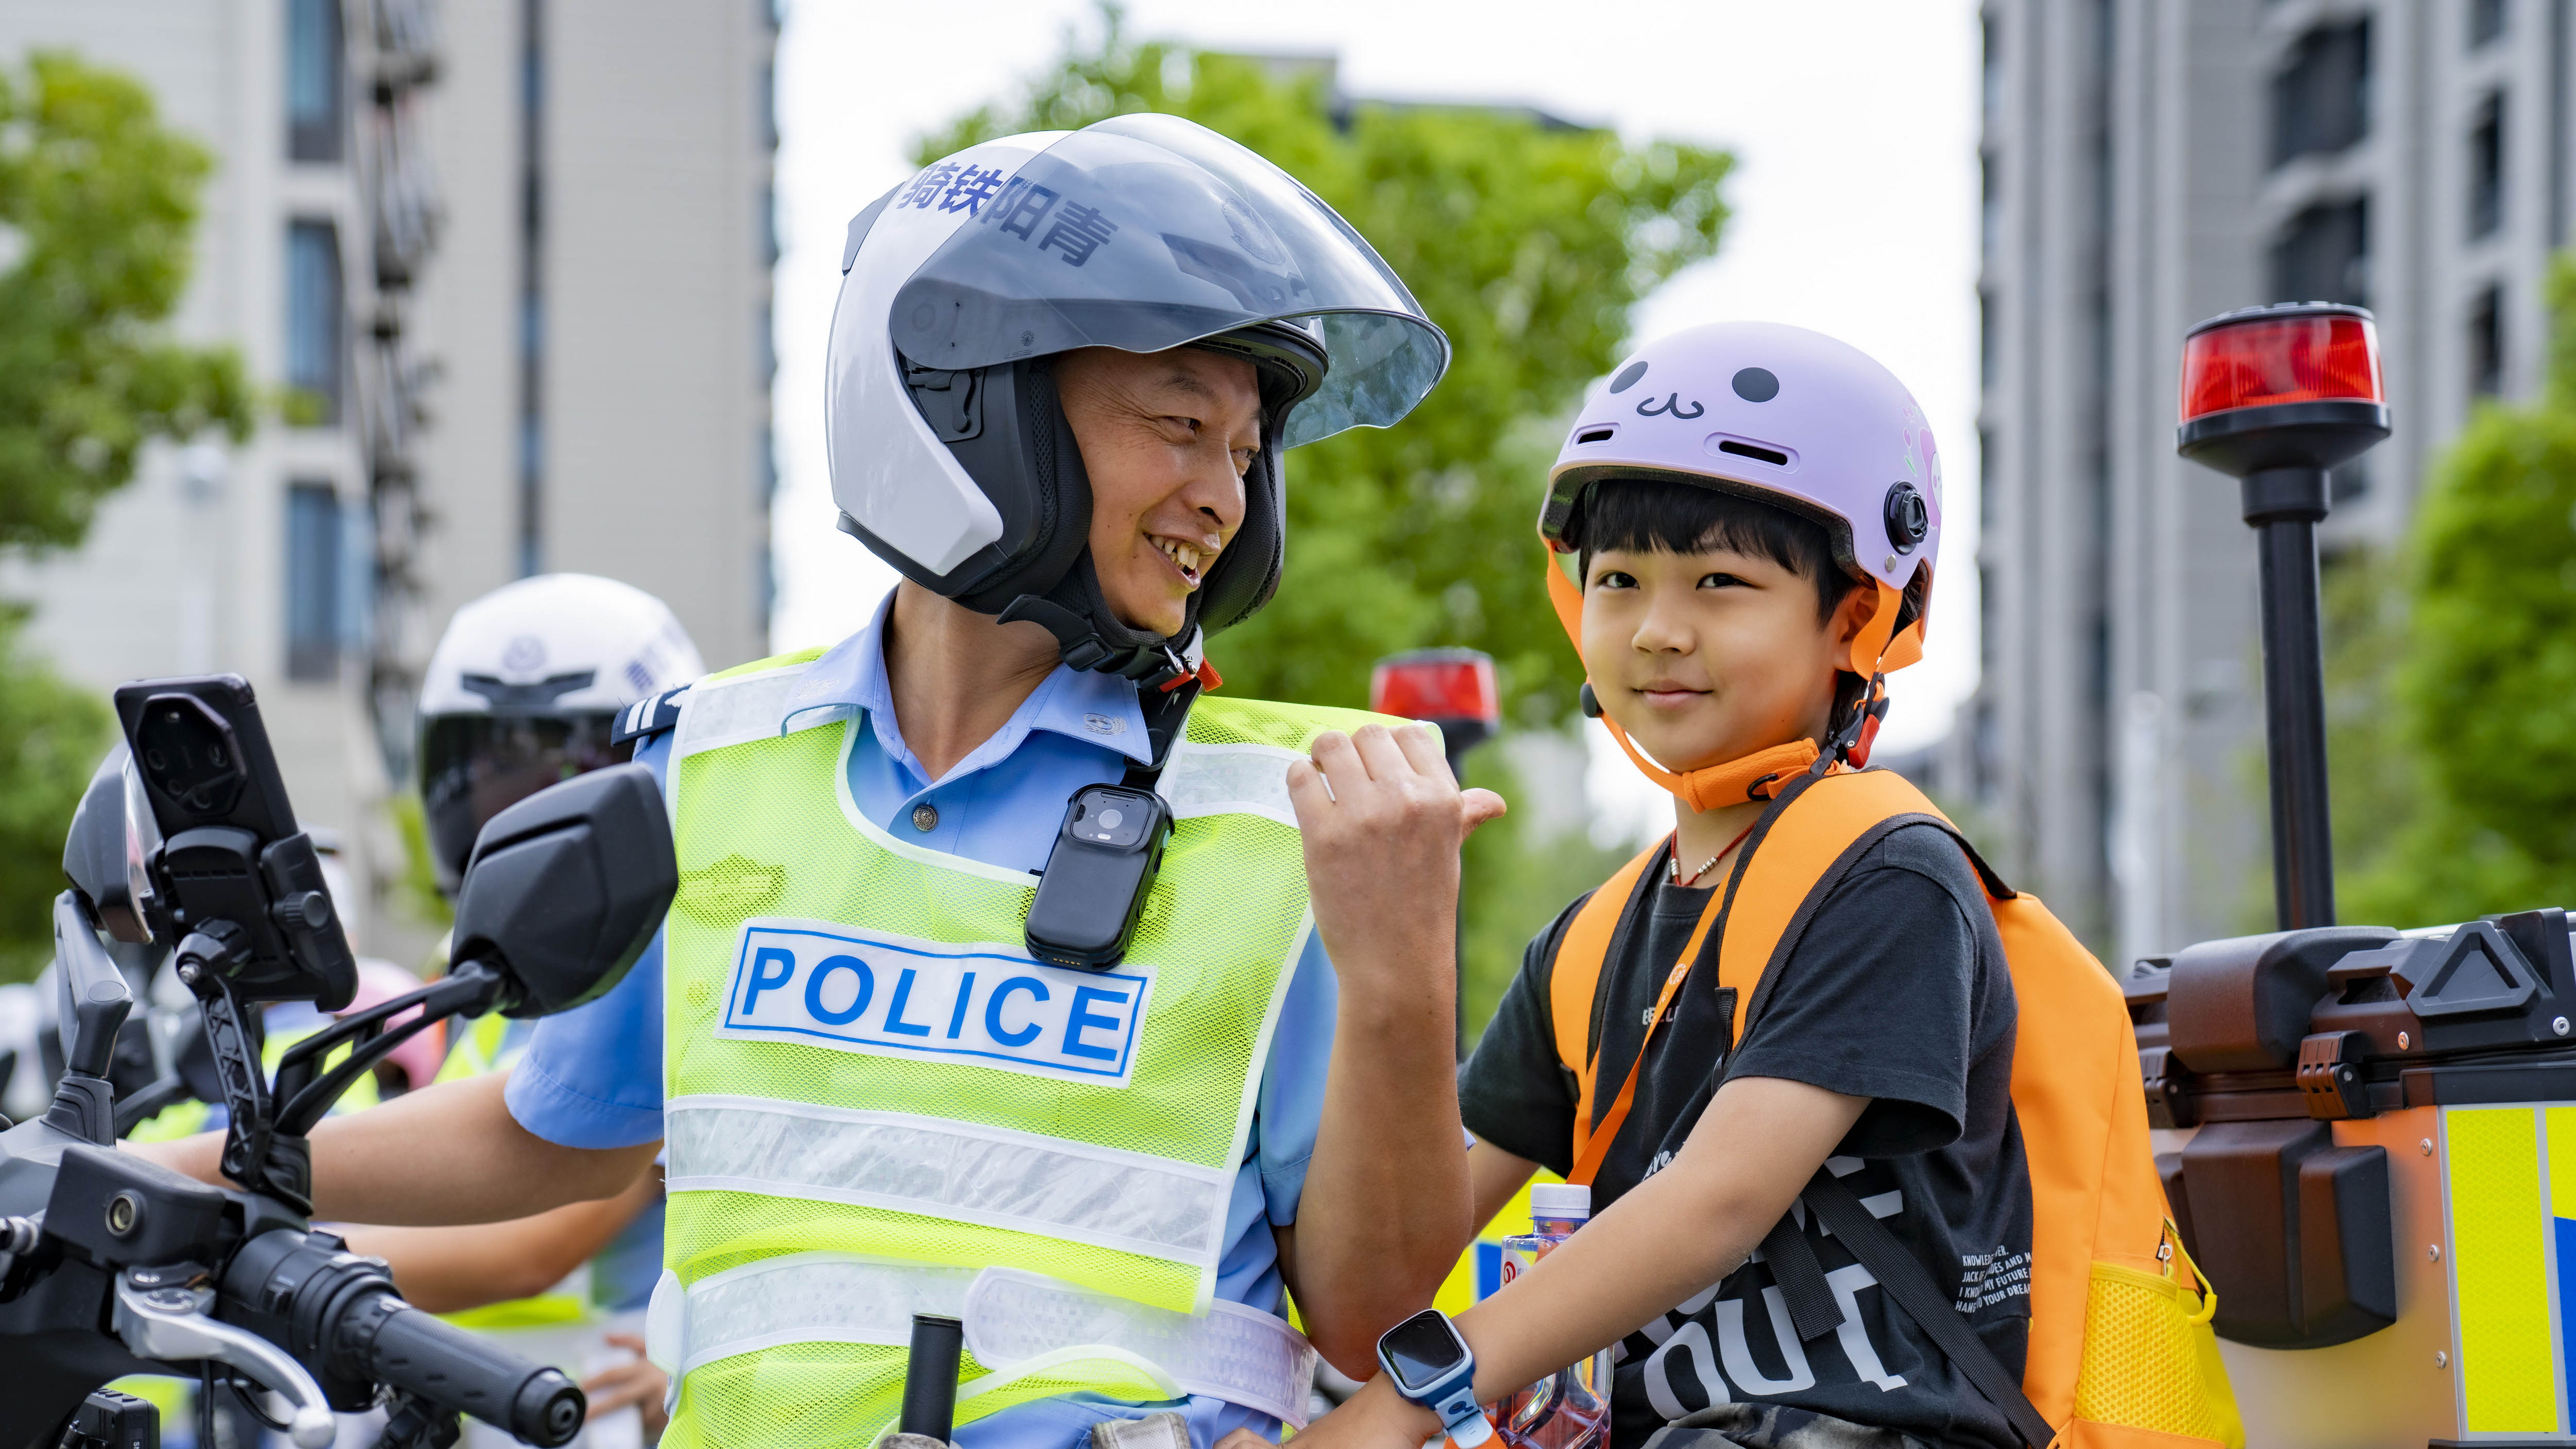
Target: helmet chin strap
[
  {"x": 1091, "y": 637},
  {"x": 1760, "y": 775}
]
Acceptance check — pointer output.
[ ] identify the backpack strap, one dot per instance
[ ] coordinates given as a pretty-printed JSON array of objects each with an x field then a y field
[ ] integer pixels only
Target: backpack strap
[
  {"x": 1591, "y": 1149},
  {"x": 1810, "y": 856},
  {"x": 1906, "y": 1282},
  {"x": 1574, "y": 977}
]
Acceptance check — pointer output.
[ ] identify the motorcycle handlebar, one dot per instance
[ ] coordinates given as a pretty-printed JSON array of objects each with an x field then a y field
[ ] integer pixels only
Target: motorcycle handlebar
[
  {"x": 339, "y": 1313},
  {"x": 415, "y": 1351}
]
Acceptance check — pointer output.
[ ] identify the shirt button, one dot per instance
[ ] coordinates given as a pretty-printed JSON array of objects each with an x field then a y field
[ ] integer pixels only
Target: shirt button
[{"x": 925, "y": 817}]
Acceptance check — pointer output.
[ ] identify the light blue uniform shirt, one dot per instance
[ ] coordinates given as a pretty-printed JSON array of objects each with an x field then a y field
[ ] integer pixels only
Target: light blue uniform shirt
[{"x": 593, "y": 1077}]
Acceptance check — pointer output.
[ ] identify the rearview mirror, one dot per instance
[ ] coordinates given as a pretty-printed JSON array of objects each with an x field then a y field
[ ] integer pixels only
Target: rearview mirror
[
  {"x": 566, "y": 888},
  {"x": 94, "y": 998},
  {"x": 112, "y": 835}
]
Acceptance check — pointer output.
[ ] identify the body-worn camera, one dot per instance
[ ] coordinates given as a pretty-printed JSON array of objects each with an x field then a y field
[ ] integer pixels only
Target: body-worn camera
[{"x": 1106, "y": 856}]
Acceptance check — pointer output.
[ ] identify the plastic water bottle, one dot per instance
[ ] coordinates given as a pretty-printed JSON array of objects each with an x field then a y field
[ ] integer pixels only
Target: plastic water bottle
[{"x": 1569, "y": 1409}]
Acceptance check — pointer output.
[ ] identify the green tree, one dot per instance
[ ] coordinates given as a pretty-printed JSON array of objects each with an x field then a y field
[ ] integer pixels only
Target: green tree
[
  {"x": 1527, "y": 242},
  {"x": 97, "y": 204},
  {"x": 2455, "y": 739}
]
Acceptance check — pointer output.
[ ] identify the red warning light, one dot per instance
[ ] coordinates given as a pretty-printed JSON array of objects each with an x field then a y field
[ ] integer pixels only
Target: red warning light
[
  {"x": 1437, "y": 684},
  {"x": 2261, "y": 357}
]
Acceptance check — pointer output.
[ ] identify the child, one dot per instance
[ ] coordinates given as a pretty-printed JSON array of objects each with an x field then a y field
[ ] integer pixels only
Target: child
[{"x": 1755, "y": 511}]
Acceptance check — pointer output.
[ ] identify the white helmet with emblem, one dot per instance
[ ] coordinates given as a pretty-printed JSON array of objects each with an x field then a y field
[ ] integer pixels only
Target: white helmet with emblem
[{"x": 524, "y": 690}]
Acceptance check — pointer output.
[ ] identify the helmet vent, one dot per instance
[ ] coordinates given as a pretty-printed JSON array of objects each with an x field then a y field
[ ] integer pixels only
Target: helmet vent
[
  {"x": 1755, "y": 451},
  {"x": 1594, "y": 435}
]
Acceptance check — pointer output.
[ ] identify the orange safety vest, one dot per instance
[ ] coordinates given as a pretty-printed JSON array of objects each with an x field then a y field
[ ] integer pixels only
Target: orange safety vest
[{"x": 2121, "y": 1354}]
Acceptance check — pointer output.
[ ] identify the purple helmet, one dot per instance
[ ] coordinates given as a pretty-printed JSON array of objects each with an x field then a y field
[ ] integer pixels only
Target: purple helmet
[{"x": 1788, "y": 416}]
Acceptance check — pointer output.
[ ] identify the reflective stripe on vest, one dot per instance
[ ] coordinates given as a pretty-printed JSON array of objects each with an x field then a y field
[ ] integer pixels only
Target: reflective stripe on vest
[
  {"x": 1024, "y": 1181},
  {"x": 862, "y": 1060},
  {"x": 1012, "y": 1318}
]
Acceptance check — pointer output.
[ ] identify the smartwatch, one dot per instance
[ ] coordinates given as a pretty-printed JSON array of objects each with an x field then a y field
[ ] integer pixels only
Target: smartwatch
[{"x": 1430, "y": 1364}]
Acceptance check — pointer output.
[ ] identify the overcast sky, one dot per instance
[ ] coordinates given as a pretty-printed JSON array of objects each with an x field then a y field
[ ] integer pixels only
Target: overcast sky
[{"x": 1854, "y": 196}]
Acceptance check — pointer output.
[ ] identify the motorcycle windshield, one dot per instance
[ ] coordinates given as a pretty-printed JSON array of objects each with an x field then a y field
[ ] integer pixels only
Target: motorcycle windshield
[{"x": 1143, "y": 233}]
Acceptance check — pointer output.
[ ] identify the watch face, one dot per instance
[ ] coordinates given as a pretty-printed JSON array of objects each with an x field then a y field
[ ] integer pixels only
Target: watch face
[{"x": 1422, "y": 1349}]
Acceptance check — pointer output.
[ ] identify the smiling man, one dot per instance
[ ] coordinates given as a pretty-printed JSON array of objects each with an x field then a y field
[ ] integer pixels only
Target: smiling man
[{"x": 925, "y": 1030}]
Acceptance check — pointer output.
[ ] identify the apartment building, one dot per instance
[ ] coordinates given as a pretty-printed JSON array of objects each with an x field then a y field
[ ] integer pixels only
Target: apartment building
[
  {"x": 2147, "y": 164},
  {"x": 504, "y": 269}
]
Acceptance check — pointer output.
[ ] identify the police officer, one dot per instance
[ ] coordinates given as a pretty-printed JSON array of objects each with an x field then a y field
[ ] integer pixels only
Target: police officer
[
  {"x": 1063, "y": 369},
  {"x": 525, "y": 689}
]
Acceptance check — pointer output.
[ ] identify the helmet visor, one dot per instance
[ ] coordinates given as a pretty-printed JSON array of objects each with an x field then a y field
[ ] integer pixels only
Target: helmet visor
[
  {"x": 1145, "y": 232},
  {"x": 474, "y": 766}
]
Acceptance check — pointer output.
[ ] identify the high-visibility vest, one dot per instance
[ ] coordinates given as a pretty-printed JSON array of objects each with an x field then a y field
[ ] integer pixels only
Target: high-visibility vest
[
  {"x": 2119, "y": 1336},
  {"x": 878, "y": 1103}
]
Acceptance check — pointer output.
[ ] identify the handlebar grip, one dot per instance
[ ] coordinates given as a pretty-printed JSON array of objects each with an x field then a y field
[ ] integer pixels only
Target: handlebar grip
[{"x": 414, "y": 1350}]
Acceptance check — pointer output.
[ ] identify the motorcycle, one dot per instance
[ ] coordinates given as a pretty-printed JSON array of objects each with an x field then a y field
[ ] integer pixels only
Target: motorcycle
[{"x": 113, "y": 1266}]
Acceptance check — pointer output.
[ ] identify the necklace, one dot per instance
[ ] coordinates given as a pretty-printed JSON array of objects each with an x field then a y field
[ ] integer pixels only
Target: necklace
[{"x": 1673, "y": 863}]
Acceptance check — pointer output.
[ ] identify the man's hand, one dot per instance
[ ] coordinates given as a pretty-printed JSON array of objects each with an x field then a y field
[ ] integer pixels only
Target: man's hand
[
  {"x": 1386, "y": 1199},
  {"x": 1382, "y": 820}
]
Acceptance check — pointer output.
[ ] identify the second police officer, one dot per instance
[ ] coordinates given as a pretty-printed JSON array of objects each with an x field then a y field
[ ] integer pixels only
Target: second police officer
[{"x": 1062, "y": 371}]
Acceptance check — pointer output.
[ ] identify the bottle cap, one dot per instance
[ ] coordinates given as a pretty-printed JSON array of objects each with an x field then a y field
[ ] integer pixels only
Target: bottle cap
[{"x": 1560, "y": 1200}]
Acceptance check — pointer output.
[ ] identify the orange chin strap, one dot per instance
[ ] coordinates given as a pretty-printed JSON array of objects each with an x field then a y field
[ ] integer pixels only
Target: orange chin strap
[{"x": 1757, "y": 776}]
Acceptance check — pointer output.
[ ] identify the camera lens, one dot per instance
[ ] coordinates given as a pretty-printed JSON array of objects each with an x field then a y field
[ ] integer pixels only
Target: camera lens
[{"x": 1109, "y": 819}]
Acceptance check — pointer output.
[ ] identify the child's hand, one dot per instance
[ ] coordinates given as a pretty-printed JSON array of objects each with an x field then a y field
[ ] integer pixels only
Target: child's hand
[
  {"x": 1374, "y": 1418},
  {"x": 1382, "y": 820}
]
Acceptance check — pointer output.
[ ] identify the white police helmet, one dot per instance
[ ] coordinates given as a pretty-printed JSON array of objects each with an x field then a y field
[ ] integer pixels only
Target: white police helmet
[
  {"x": 524, "y": 690},
  {"x": 950, "y": 458}
]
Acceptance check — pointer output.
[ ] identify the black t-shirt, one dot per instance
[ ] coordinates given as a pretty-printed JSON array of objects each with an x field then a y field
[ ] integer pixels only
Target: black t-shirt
[{"x": 1897, "y": 992}]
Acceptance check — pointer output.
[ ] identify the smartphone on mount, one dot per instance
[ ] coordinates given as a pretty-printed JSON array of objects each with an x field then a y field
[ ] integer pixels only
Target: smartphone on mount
[{"x": 230, "y": 849}]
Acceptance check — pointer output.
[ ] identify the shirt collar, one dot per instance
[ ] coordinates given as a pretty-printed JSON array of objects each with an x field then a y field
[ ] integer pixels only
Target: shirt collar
[{"x": 1100, "y": 710}]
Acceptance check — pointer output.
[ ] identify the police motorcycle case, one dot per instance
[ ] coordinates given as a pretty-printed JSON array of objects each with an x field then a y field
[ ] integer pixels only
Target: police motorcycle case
[{"x": 2369, "y": 1139}]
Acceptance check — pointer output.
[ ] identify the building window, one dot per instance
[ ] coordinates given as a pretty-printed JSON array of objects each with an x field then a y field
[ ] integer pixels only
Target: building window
[
  {"x": 769, "y": 104},
  {"x": 313, "y": 537},
  {"x": 2486, "y": 344},
  {"x": 1992, "y": 76},
  {"x": 532, "y": 290},
  {"x": 2486, "y": 21},
  {"x": 2324, "y": 255},
  {"x": 316, "y": 322},
  {"x": 1989, "y": 620},
  {"x": 315, "y": 63},
  {"x": 1990, "y": 216},
  {"x": 2486, "y": 167},
  {"x": 1986, "y": 337},
  {"x": 1988, "y": 469},
  {"x": 2321, "y": 93}
]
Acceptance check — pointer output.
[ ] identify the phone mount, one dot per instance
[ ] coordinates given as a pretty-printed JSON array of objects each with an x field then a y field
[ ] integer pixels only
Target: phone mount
[
  {"x": 110, "y": 1265},
  {"x": 188, "y": 838}
]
